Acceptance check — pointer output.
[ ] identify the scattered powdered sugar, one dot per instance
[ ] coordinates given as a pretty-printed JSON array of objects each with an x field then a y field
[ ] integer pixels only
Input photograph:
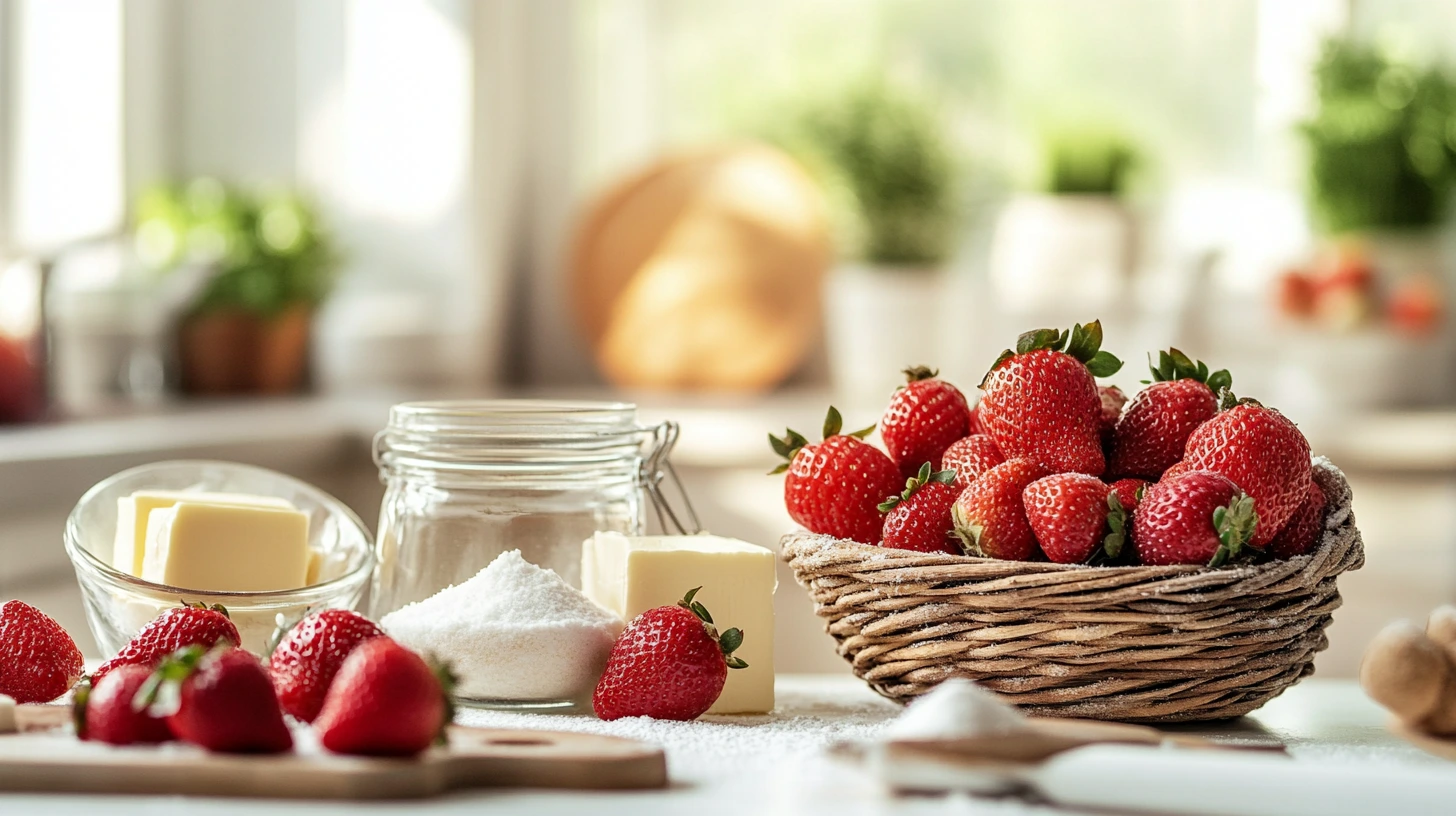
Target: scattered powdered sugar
[
  {"x": 956, "y": 709},
  {"x": 804, "y": 722},
  {"x": 515, "y": 631}
]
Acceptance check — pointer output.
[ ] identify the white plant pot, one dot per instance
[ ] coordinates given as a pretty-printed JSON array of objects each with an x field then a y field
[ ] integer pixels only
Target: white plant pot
[
  {"x": 1050, "y": 253},
  {"x": 880, "y": 320}
]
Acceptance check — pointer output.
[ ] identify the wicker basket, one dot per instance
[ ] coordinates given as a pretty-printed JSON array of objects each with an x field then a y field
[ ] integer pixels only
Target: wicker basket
[{"x": 1138, "y": 644}]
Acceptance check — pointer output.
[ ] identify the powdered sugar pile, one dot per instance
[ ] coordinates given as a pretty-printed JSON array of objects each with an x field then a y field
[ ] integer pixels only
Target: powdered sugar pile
[
  {"x": 956, "y": 709},
  {"x": 515, "y": 631}
]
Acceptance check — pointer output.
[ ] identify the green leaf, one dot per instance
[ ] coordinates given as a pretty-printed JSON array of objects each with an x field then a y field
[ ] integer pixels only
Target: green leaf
[
  {"x": 702, "y": 612},
  {"x": 1104, "y": 364},
  {"x": 1112, "y": 544},
  {"x": 1001, "y": 358},
  {"x": 888, "y": 504},
  {"x": 780, "y": 469},
  {"x": 862, "y": 432},
  {"x": 1226, "y": 399},
  {"x": 1039, "y": 339},
  {"x": 833, "y": 422},
  {"x": 1220, "y": 381},
  {"x": 1183, "y": 368},
  {"x": 917, "y": 373},
  {"x": 736, "y": 662},
  {"x": 730, "y": 640},
  {"x": 921, "y": 477},
  {"x": 1086, "y": 340},
  {"x": 780, "y": 446},
  {"x": 943, "y": 476},
  {"x": 691, "y": 594}
]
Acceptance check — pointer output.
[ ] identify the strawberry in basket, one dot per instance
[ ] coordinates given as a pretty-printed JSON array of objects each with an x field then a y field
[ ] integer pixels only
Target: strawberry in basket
[
  {"x": 1263, "y": 453},
  {"x": 835, "y": 487},
  {"x": 1153, "y": 430},
  {"x": 1041, "y": 401},
  {"x": 919, "y": 518},
  {"x": 923, "y": 418}
]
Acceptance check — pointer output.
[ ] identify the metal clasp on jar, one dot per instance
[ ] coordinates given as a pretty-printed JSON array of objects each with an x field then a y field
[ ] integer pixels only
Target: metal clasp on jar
[{"x": 657, "y": 468}]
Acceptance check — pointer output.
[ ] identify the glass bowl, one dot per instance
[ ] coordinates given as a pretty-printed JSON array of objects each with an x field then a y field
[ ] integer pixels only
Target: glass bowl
[{"x": 119, "y": 604}]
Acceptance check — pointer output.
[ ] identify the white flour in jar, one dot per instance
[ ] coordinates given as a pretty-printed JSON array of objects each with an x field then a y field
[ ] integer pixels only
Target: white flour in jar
[{"x": 514, "y": 632}]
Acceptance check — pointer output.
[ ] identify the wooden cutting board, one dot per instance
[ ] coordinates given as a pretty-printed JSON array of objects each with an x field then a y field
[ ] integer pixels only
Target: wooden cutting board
[{"x": 45, "y": 756}]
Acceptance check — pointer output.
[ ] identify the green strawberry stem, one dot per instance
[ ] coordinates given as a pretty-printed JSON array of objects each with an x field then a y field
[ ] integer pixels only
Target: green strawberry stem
[
  {"x": 448, "y": 680},
  {"x": 161, "y": 694},
  {"x": 1235, "y": 525},
  {"x": 1117, "y": 523},
  {"x": 79, "y": 698},
  {"x": 916, "y": 482},
  {"x": 1175, "y": 365},
  {"x": 918, "y": 373},
  {"x": 1083, "y": 343},
  {"x": 728, "y": 641},
  {"x": 789, "y": 445}
]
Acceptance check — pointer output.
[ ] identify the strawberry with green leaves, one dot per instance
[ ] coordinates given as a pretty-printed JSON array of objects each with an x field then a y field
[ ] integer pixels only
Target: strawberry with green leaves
[
  {"x": 1076, "y": 518},
  {"x": 1041, "y": 401},
  {"x": 919, "y": 518},
  {"x": 669, "y": 663},
  {"x": 835, "y": 487},
  {"x": 1154, "y": 428},
  {"x": 923, "y": 418},
  {"x": 191, "y": 624},
  {"x": 1262, "y": 452},
  {"x": 106, "y": 712},
  {"x": 219, "y": 698},
  {"x": 990, "y": 517},
  {"x": 970, "y": 457},
  {"x": 1199, "y": 517}
]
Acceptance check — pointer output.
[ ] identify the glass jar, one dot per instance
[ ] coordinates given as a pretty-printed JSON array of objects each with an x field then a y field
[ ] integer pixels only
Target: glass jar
[{"x": 469, "y": 480}]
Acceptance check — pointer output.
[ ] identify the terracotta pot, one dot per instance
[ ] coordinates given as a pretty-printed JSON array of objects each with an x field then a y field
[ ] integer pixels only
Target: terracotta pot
[{"x": 235, "y": 352}]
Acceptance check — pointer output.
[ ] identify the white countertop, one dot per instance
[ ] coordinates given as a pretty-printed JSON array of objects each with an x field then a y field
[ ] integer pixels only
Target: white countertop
[{"x": 776, "y": 763}]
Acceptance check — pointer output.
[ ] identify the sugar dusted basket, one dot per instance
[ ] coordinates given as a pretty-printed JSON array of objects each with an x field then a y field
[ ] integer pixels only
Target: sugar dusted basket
[{"x": 1137, "y": 644}]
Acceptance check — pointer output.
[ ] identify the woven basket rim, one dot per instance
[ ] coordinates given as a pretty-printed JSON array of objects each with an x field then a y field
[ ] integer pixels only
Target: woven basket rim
[{"x": 802, "y": 542}]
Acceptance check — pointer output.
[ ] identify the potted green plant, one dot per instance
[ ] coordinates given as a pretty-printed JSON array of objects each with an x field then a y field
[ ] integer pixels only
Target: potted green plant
[
  {"x": 1381, "y": 169},
  {"x": 1073, "y": 241},
  {"x": 881, "y": 153},
  {"x": 263, "y": 265}
]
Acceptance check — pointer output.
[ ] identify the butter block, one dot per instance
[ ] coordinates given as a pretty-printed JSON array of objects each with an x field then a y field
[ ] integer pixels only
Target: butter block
[
  {"x": 629, "y": 575},
  {"x": 132, "y": 513},
  {"x": 226, "y": 548}
]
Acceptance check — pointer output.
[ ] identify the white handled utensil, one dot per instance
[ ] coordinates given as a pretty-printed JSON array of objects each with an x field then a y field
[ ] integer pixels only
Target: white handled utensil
[{"x": 1145, "y": 779}]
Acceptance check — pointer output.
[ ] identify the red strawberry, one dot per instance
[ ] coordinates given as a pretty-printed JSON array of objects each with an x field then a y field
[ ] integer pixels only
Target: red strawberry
[
  {"x": 923, "y": 419},
  {"x": 835, "y": 487},
  {"x": 106, "y": 712},
  {"x": 219, "y": 698},
  {"x": 1304, "y": 529},
  {"x": 1261, "y": 452},
  {"x": 1041, "y": 402},
  {"x": 185, "y": 625},
  {"x": 386, "y": 701},
  {"x": 1197, "y": 518},
  {"x": 1129, "y": 492},
  {"x": 308, "y": 656},
  {"x": 990, "y": 519},
  {"x": 38, "y": 660},
  {"x": 1154, "y": 429},
  {"x": 670, "y": 663},
  {"x": 919, "y": 518},
  {"x": 1075, "y": 517},
  {"x": 970, "y": 457},
  {"x": 1112, "y": 400},
  {"x": 1178, "y": 469}
]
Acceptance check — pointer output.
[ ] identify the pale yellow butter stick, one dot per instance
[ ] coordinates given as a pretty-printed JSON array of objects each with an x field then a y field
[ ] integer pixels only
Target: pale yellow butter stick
[
  {"x": 133, "y": 512},
  {"x": 629, "y": 575},
  {"x": 227, "y": 548}
]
